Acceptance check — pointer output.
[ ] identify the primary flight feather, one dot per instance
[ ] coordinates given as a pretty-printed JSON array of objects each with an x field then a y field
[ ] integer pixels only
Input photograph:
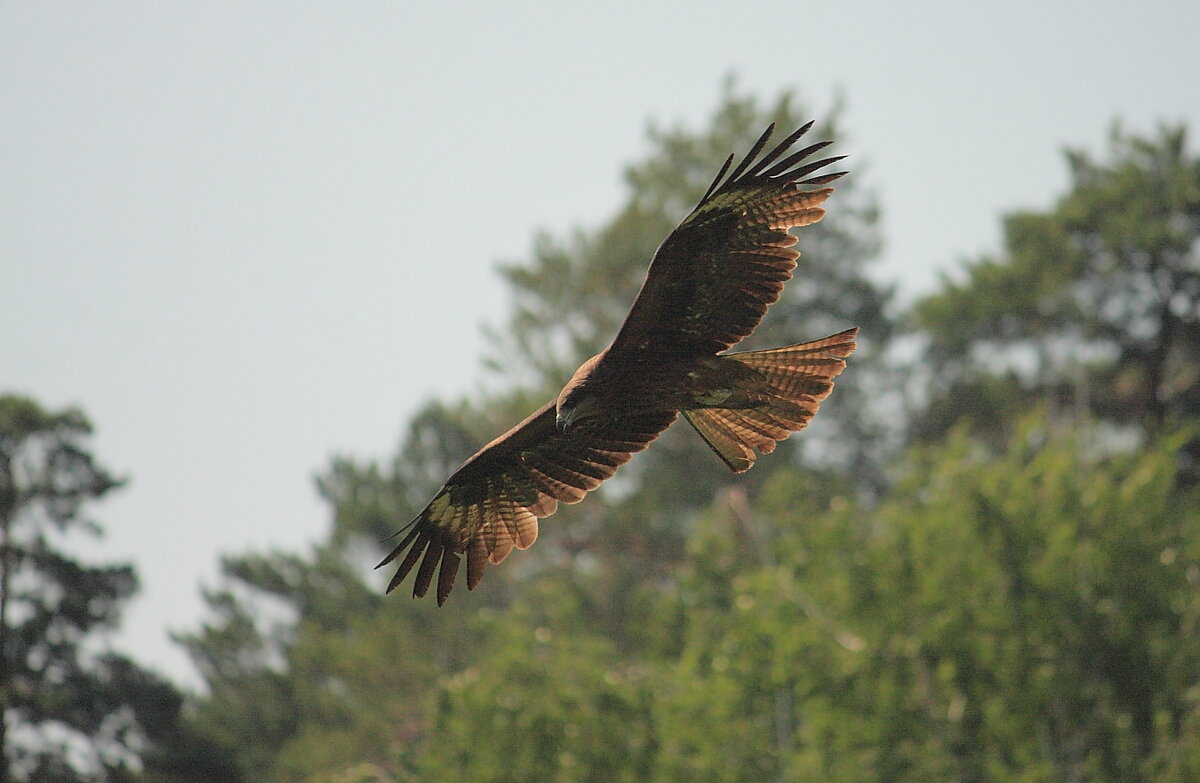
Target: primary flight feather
[{"x": 709, "y": 284}]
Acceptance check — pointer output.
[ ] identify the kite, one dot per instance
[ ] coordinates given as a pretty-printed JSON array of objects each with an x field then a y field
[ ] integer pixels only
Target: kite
[{"x": 708, "y": 286}]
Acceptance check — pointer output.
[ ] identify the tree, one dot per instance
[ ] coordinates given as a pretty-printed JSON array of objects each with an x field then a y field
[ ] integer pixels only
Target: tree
[
  {"x": 571, "y": 296},
  {"x": 1094, "y": 304},
  {"x": 336, "y": 677},
  {"x": 310, "y": 669},
  {"x": 323, "y": 685},
  {"x": 1027, "y": 615},
  {"x": 548, "y": 698},
  {"x": 71, "y": 711},
  {"x": 1021, "y": 608}
]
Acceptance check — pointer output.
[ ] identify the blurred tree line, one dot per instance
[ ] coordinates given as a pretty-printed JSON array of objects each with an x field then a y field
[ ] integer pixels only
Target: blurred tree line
[
  {"x": 981, "y": 562},
  {"x": 70, "y": 708}
]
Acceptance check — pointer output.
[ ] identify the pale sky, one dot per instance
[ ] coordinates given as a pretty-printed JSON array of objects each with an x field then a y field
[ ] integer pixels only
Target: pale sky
[{"x": 245, "y": 237}]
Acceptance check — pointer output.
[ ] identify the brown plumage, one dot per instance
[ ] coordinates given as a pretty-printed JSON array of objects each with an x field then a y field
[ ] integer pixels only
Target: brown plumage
[{"x": 709, "y": 284}]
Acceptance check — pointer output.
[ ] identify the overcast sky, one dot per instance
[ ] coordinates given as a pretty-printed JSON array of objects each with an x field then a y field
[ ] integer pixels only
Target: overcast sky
[{"x": 245, "y": 236}]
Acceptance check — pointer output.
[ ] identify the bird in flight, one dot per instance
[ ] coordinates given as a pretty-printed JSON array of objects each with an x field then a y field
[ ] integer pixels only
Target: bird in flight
[{"x": 708, "y": 286}]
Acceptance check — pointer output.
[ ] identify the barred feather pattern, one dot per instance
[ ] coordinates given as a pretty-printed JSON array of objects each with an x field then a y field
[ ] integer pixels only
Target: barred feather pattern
[
  {"x": 713, "y": 279},
  {"x": 793, "y": 382},
  {"x": 708, "y": 286},
  {"x": 491, "y": 505}
]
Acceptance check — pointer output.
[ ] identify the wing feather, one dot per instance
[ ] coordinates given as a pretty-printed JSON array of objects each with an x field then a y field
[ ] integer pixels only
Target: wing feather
[
  {"x": 413, "y": 532},
  {"x": 802, "y": 171},
  {"x": 477, "y": 561},
  {"x": 415, "y": 551},
  {"x": 557, "y": 488},
  {"x": 504, "y": 545},
  {"x": 712, "y": 280},
  {"x": 433, "y": 555},
  {"x": 446, "y": 574},
  {"x": 708, "y": 286},
  {"x": 753, "y": 153},
  {"x": 824, "y": 179},
  {"x": 492, "y": 503},
  {"x": 791, "y": 160},
  {"x": 522, "y": 526},
  {"x": 782, "y": 147},
  {"x": 717, "y": 180}
]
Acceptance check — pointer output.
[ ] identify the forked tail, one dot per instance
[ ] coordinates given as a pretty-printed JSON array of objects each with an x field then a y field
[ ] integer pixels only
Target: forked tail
[{"x": 789, "y": 385}]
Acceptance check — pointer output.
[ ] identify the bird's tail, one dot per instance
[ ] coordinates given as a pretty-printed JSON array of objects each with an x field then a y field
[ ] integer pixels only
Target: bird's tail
[{"x": 789, "y": 384}]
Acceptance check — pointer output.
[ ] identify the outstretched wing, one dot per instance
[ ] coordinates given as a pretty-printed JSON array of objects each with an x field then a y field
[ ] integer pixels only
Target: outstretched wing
[
  {"x": 712, "y": 280},
  {"x": 492, "y": 503}
]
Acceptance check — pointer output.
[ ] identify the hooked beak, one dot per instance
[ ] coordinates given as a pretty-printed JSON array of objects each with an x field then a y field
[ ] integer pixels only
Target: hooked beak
[
  {"x": 564, "y": 419},
  {"x": 570, "y": 415},
  {"x": 573, "y": 410}
]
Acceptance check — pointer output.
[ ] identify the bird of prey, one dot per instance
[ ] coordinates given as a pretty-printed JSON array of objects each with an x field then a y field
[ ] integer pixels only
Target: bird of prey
[{"x": 708, "y": 285}]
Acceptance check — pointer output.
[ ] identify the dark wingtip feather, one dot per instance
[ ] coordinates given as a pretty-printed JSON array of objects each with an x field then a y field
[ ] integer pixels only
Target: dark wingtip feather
[
  {"x": 753, "y": 153},
  {"x": 781, "y": 148},
  {"x": 476, "y": 561},
  {"x": 774, "y": 171},
  {"x": 410, "y": 560},
  {"x": 717, "y": 179},
  {"x": 425, "y": 573},
  {"x": 824, "y": 179},
  {"x": 749, "y": 170},
  {"x": 403, "y": 543},
  {"x": 781, "y": 169},
  {"x": 804, "y": 171},
  {"x": 446, "y": 574}
]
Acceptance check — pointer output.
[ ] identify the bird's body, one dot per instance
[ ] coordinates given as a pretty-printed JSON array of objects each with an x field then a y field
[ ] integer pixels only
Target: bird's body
[{"x": 708, "y": 286}]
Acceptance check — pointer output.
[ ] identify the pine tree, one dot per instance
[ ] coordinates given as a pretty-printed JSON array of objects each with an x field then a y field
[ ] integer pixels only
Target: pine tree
[{"x": 71, "y": 710}]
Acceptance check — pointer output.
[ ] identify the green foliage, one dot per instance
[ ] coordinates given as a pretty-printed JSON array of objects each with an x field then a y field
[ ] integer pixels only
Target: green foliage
[
  {"x": 283, "y": 658},
  {"x": 69, "y": 711},
  {"x": 1095, "y": 303},
  {"x": 572, "y": 294},
  {"x": 1015, "y": 607},
  {"x": 317, "y": 667},
  {"x": 547, "y": 699},
  {"x": 1028, "y": 616}
]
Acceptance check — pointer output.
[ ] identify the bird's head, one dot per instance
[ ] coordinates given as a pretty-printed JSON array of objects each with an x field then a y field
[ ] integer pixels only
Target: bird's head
[
  {"x": 573, "y": 408},
  {"x": 578, "y": 399}
]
